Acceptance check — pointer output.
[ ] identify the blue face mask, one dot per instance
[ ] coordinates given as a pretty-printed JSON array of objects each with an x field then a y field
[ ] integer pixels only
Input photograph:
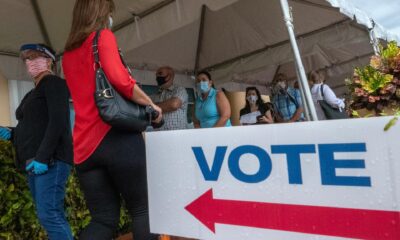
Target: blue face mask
[{"x": 203, "y": 87}]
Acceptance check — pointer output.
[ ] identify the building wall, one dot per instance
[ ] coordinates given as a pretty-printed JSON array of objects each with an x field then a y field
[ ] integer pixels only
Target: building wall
[{"x": 5, "y": 118}]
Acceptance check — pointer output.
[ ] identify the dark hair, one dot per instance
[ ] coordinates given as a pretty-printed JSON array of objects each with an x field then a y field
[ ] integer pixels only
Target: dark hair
[
  {"x": 259, "y": 100},
  {"x": 205, "y": 73},
  {"x": 280, "y": 77},
  {"x": 208, "y": 76},
  {"x": 88, "y": 16}
]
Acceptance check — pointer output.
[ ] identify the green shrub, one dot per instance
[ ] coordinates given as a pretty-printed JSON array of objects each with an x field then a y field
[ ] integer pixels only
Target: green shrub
[{"x": 18, "y": 219}]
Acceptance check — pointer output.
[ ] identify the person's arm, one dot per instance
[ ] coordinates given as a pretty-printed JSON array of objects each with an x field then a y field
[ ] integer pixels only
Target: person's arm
[
  {"x": 297, "y": 115},
  {"x": 330, "y": 97},
  {"x": 140, "y": 97},
  {"x": 113, "y": 67},
  {"x": 196, "y": 122},
  {"x": 224, "y": 109},
  {"x": 267, "y": 117},
  {"x": 180, "y": 97},
  {"x": 278, "y": 116},
  {"x": 170, "y": 105},
  {"x": 299, "y": 107},
  {"x": 56, "y": 94},
  {"x": 117, "y": 73}
]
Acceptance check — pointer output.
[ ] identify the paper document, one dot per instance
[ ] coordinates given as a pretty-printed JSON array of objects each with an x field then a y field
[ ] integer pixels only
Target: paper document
[{"x": 250, "y": 118}]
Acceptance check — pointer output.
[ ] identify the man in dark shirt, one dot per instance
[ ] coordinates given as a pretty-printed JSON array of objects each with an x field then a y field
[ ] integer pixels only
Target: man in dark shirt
[{"x": 42, "y": 139}]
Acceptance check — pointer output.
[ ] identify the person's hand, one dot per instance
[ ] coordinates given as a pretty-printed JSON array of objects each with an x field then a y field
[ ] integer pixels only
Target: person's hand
[
  {"x": 5, "y": 133},
  {"x": 264, "y": 119},
  {"x": 37, "y": 167},
  {"x": 158, "y": 109}
]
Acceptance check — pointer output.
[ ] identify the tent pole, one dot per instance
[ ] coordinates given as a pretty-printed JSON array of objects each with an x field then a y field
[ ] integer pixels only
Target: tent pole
[
  {"x": 301, "y": 74},
  {"x": 303, "y": 97},
  {"x": 40, "y": 20},
  {"x": 142, "y": 14},
  {"x": 200, "y": 38},
  {"x": 10, "y": 54}
]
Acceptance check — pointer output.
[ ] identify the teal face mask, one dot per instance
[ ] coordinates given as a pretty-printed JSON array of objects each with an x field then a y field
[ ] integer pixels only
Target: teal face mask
[{"x": 203, "y": 87}]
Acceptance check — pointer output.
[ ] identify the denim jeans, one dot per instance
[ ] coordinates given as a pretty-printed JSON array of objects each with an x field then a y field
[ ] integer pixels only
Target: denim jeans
[{"x": 48, "y": 192}]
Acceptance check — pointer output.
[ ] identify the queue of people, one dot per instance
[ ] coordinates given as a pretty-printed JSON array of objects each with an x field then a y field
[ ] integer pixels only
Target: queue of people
[{"x": 102, "y": 154}]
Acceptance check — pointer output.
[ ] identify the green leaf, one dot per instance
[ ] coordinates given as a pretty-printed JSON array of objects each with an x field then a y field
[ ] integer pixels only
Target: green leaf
[
  {"x": 355, "y": 113},
  {"x": 391, "y": 123},
  {"x": 18, "y": 218}
]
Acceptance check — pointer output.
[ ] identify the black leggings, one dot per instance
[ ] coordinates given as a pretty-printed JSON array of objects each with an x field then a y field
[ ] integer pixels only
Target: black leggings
[{"x": 116, "y": 168}]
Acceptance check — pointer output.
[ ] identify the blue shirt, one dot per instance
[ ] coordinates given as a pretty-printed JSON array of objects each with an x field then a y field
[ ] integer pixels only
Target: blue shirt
[
  {"x": 287, "y": 105},
  {"x": 207, "y": 111}
]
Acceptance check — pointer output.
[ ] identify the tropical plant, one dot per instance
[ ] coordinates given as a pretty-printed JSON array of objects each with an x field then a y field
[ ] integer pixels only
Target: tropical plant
[
  {"x": 371, "y": 80},
  {"x": 376, "y": 87}
]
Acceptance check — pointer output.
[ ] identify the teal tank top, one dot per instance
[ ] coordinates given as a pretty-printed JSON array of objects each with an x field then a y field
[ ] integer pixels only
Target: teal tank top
[{"x": 206, "y": 110}]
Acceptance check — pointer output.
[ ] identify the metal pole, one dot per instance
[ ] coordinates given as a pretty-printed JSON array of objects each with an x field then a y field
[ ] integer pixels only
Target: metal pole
[
  {"x": 301, "y": 74},
  {"x": 306, "y": 110},
  {"x": 200, "y": 38}
]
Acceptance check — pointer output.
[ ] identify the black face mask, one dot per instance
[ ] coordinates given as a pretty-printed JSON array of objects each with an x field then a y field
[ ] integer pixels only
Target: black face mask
[{"x": 161, "y": 80}]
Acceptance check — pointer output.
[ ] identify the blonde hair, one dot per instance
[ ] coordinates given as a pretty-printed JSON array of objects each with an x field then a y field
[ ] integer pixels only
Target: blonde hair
[{"x": 88, "y": 16}]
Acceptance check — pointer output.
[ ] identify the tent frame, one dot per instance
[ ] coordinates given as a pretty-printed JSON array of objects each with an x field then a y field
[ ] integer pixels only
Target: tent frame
[{"x": 308, "y": 103}]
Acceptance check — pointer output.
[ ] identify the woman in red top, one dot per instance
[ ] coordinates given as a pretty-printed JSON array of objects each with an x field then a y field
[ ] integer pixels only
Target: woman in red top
[{"x": 109, "y": 162}]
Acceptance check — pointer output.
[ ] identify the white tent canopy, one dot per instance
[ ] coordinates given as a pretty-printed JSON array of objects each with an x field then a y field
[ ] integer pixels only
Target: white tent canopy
[{"x": 240, "y": 41}]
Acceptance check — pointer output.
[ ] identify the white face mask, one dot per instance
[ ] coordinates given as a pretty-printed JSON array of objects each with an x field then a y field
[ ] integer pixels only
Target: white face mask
[
  {"x": 279, "y": 88},
  {"x": 282, "y": 84},
  {"x": 110, "y": 22},
  {"x": 252, "y": 99}
]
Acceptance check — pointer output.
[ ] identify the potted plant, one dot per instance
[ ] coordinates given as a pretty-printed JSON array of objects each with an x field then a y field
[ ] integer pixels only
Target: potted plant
[{"x": 375, "y": 89}]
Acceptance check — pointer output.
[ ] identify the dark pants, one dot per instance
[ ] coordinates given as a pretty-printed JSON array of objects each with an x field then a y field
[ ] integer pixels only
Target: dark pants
[
  {"x": 116, "y": 168},
  {"x": 48, "y": 192}
]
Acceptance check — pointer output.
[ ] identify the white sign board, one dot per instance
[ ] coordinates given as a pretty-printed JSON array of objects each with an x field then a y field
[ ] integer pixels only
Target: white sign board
[{"x": 311, "y": 180}]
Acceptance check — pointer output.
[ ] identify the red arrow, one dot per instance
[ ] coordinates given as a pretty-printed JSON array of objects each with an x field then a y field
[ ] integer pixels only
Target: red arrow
[{"x": 330, "y": 221}]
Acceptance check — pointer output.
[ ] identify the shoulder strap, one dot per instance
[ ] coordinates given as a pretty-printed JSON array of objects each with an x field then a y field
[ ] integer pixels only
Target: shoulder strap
[
  {"x": 97, "y": 56},
  {"x": 322, "y": 90},
  {"x": 96, "y": 50}
]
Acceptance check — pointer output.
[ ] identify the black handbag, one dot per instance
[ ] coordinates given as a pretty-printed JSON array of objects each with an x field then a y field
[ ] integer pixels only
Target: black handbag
[
  {"x": 329, "y": 111},
  {"x": 114, "y": 109}
]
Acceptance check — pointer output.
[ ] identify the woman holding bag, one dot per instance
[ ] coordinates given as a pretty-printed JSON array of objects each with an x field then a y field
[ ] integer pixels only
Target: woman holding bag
[
  {"x": 322, "y": 92},
  {"x": 110, "y": 163}
]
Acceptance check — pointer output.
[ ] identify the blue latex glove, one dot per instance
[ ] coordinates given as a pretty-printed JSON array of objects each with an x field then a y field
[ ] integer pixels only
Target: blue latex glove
[
  {"x": 37, "y": 167},
  {"x": 5, "y": 133}
]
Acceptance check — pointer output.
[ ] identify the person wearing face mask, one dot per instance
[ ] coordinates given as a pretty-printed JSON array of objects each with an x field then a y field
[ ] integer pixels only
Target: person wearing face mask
[
  {"x": 212, "y": 108},
  {"x": 42, "y": 139},
  {"x": 172, "y": 99},
  {"x": 287, "y": 101},
  {"x": 110, "y": 163},
  {"x": 256, "y": 111}
]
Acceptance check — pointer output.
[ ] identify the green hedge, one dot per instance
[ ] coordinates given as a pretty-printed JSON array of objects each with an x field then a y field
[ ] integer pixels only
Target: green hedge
[{"x": 17, "y": 213}]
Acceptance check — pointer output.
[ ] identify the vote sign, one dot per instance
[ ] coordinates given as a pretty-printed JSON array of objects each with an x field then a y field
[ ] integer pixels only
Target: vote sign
[{"x": 328, "y": 179}]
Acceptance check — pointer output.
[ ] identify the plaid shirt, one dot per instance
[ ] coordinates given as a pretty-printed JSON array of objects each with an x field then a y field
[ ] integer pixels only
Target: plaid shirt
[
  {"x": 177, "y": 119},
  {"x": 286, "y": 105}
]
